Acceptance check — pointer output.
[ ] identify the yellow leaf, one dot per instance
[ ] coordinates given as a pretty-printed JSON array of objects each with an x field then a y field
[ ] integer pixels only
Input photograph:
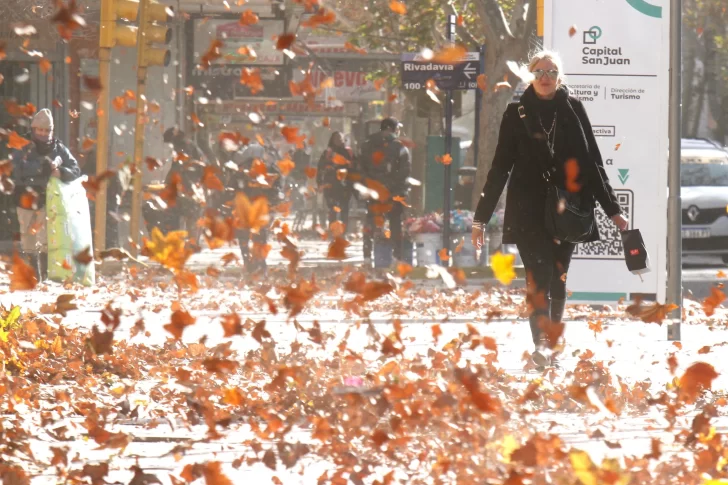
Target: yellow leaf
[
  {"x": 502, "y": 266},
  {"x": 584, "y": 467},
  {"x": 168, "y": 250}
]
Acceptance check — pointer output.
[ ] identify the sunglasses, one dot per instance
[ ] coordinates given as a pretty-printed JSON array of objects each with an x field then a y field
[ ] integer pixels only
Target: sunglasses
[{"x": 553, "y": 73}]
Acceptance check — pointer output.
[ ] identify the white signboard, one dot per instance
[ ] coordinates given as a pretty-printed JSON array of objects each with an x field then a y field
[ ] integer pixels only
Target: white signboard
[
  {"x": 616, "y": 60},
  {"x": 237, "y": 39}
]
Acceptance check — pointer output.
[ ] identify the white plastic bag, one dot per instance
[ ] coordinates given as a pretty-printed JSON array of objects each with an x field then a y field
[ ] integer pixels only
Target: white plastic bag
[{"x": 69, "y": 231}]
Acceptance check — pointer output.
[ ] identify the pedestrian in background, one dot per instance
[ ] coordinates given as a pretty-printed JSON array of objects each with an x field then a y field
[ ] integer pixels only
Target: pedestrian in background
[
  {"x": 336, "y": 188},
  {"x": 33, "y": 166},
  {"x": 538, "y": 136},
  {"x": 385, "y": 159}
]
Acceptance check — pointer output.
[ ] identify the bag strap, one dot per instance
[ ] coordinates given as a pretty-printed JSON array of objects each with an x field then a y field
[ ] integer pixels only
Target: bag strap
[{"x": 548, "y": 170}]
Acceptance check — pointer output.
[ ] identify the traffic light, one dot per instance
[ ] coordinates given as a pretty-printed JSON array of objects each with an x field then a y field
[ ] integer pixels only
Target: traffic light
[
  {"x": 155, "y": 31},
  {"x": 114, "y": 33}
]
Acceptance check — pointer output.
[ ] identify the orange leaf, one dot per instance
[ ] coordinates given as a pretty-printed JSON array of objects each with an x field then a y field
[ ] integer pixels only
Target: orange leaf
[
  {"x": 379, "y": 83},
  {"x": 290, "y": 133},
  {"x": 196, "y": 120},
  {"x": 572, "y": 174},
  {"x": 616, "y": 147},
  {"x": 29, "y": 199},
  {"x": 210, "y": 179},
  {"x": 44, "y": 65},
  {"x": 22, "y": 276},
  {"x": 258, "y": 168},
  {"x": 321, "y": 17},
  {"x": 286, "y": 166},
  {"x": 87, "y": 144},
  {"x": 714, "y": 300},
  {"x": 231, "y": 325},
  {"x": 16, "y": 142},
  {"x": 445, "y": 159},
  {"x": 697, "y": 377},
  {"x": 483, "y": 82},
  {"x": 310, "y": 172},
  {"x": 379, "y": 188},
  {"x": 461, "y": 20},
  {"x": 572, "y": 31},
  {"x": 404, "y": 269},
  {"x": 260, "y": 251},
  {"x": 180, "y": 320},
  {"x": 285, "y": 41},
  {"x": 444, "y": 254},
  {"x": 153, "y": 163},
  {"x": 337, "y": 249},
  {"x": 251, "y": 78},
  {"x": 397, "y": 7},
  {"x": 119, "y": 103},
  {"x": 252, "y": 216},
  {"x": 377, "y": 158},
  {"x": 213, "y": 53},
  {"x": 652, "y": 314},
  {"x": 248, "y": 17},
  {"x": 351, "y": 47},
  {"x": 451, "y": 54},
  {"x": 169, "y": 250}
]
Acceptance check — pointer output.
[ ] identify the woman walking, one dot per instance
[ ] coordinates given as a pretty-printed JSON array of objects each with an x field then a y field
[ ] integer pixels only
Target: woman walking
[
  {"x": 336, "y": 189},
  {"x": 542, "y": 138}
]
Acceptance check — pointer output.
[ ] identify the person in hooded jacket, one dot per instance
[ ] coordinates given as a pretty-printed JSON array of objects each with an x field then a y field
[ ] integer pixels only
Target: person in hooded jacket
[
  {"x": 336, "y": 189},
  {"x": 554, "y": 129},
  {"x": 33, "y": 166},
  {"x": 385, "y": 159}
]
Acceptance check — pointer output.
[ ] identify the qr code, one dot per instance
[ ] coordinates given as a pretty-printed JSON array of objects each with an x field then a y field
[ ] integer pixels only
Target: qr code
[{"x": 610, "y": 245}]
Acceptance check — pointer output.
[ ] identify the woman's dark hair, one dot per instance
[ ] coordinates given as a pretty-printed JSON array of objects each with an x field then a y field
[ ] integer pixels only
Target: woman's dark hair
[{"x": 331, "y": 140}]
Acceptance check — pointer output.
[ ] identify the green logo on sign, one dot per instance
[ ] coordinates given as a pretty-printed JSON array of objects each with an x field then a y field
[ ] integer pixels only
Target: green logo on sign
[
  {"x": 623, "y": 175},
  {"x": 646, "y": 8}
]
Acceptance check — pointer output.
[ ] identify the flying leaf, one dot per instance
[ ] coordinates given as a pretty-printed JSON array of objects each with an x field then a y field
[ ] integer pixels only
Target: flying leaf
[
  {"x": 696, "y": 378},
  {"x": 351, "y": 47},
  {"x": 93, "y": 84},
  {"x": 572, "y": 174},
  {"x": 713, "y": 301},
  {"x": 655, "y": 313},
  {"x": 502, "y": 266},
  {"x": 252, "y": 216},
  {"x": 572, "y": 31},
  {"x": 444, "y": 254},
  {"x": 310, "y": 172},
  {"x": 248, "y": 17},
  {"x": 169, "y": 250},
  {"x": 322, "y": 17},
  {"x": 180, "y": 320},
  {"x": 22, "y": 276},
  {"x": 482, "y": 82},
  {"x": 337, "y": 249},
  {"x": 16, "y": 142},
  {"x": 153, "y": 163},
  {"x": 285, "y": 41},
  {"x": 290, "y": 133},
  {"x": 285, "y": 166},
  {"x": 397, "y": 7},
  {"x": 445, "y": 159},
  {"x": 451, "y": 54},
  {"x": 214, "y": 52},
  {"x": 68, "y": 19},
  {"x": 251, "y": 78},
  {"x": 210, "y": 179}
]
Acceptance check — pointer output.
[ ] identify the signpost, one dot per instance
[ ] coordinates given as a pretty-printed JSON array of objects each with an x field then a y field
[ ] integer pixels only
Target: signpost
[{"x": 416, "y": 71}]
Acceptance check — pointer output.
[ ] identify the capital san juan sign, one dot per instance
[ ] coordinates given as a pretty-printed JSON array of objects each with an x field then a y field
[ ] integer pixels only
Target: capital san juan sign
[{"x": 617, "y": 64}]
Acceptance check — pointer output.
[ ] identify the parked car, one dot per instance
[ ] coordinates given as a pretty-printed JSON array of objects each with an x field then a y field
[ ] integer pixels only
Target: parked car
[{"x": 704, "y": 180}]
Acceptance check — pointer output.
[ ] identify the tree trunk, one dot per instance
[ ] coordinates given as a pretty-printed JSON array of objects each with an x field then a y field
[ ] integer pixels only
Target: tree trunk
[{"x": 690, "y": 54}]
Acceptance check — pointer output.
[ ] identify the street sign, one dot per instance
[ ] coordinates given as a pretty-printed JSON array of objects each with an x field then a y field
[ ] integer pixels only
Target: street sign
[{"x": 416, "y": 71}]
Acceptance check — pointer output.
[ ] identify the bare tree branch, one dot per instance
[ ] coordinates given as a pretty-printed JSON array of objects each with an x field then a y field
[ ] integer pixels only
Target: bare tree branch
[{"x": 493, "y": 19}]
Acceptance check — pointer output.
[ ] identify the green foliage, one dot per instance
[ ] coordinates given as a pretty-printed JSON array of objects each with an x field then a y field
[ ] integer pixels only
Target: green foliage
[{"x": 10, "y": 322}]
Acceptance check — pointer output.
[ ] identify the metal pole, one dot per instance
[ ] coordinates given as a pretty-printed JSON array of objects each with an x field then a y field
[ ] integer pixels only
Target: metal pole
[
  {"x": 141, "y": 103},
  {"x": 102, "y": 146},
  {"x": 451, "y": 20},
  {"x": 674, "y": 204},
  {"x": 478, "y": 108}
]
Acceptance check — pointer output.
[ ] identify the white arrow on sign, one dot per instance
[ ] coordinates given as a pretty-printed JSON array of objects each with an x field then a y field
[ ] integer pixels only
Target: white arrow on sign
[{"x": 469, "y": 70}]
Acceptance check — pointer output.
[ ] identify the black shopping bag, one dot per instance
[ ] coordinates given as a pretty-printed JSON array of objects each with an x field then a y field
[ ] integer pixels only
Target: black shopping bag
[{"x": 635, "y": 252}]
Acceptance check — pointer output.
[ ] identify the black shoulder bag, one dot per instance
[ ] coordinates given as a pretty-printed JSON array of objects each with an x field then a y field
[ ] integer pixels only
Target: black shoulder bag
[{"x": 568, "y": 216}]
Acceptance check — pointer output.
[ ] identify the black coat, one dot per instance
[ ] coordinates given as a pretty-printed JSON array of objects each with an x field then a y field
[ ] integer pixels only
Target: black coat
[
  {"x": 516, "y": 163},
  {"x": 385, "y": 159},
  {"x": 326, "y": 173}
]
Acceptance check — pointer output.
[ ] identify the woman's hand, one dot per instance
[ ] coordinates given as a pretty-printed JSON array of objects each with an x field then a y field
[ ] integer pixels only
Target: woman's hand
[
  {"x": 621, "y": 222},
  {"x": 477, "y": 237}
]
